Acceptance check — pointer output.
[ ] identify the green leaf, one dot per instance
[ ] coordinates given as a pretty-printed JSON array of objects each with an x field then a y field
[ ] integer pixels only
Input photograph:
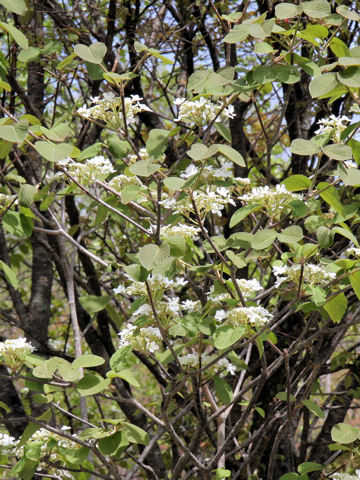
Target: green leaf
[
  {"x": 129, "y": 193},
  {"x": 120, "y": 358},
  {"x": 339, "y": 48},
  {"x": 303, "y": 147},
  {"x": 344, "y": 433},
  {"x": 58, "y": 133},
  {"x": 237, "y": 260},
  {"x": 177, "y": 245},
  {"x": 351, "y": 177},
  {"x": 314, "y": 408},
  {"x": 116, "y": 78},
  {"x": 224, "y": 131},
  {"x": 331, "y": 196},
  {"x": 237, "y": 34},
  {"x": 307, "y": 467},
  {"x": 198, "y": 151},
  {"x": 345, "y": 12},
  {"x": 157, "y": 142},
  {"x": 230, "y": 153},
  {"x": 262, "y": 48},
  {"x": 263, "y": 239},
  {"x": 152, "y": 255},
  {"x": 294, "y": 183},
  {"x": 31, "y": 54},
  {"x": 350, "y": 77},
  {"x": 136, "y": 272},
  {"x": 338, "y": 151},
  {"x": 93, "y": 304},
  {"x": 75, "y": 456},
  {"x": 9, "y": 275},
  {"x": 53, "y": 152},
  {"x": 291, "y": 234},
  {"x": 90, "y": 152},
  {"x": 18, "y": 36},
  {"x": 174, "y": 183},
  {"x": 283, "y": 396},
  {"x": 17, "y": 6},
  {"x": 355, "y": 282},
  {"x": 349, "y": 61},
  {"x": 347, "y": 234},
  {"x": 316, "y": 8},
  {"x": 15, "y": 133},
  {"x": 93, "y": 54},
  {"x": 223, "y": 390},
  {"x": 155, "y": 53},
  {"x": 87, "y": 360},
  {"x": 288, "y": 74},
  {"x": 111, "y": 444},
  {"x": 125, "y": 374},
  {"x": 136, "y": 434},
  {"x": 144, "y": 168},
  {"x": 323, "y": 84},
  {"x": 336, "y": 307},
  {"x": 290, "y": 476},
  {"x": 26, "y": 194},
  {"x": 92, "y": 384},
  {"x": 242, "y": 213},
  {"x": 285, "y": 10},
  {"x": 68, "y": 373},
  {"x": 222, "y": 473},
  {"x": 324, "y": 236},
  {"x": 227, "y": 335}
]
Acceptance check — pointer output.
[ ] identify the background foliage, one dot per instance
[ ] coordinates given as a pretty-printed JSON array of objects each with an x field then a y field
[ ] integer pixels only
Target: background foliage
[{"x": 179, "y": 239}]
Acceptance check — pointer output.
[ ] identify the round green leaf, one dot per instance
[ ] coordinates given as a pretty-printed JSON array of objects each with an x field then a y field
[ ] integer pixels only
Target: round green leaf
[
  {"x": 345, "y": 12},
  {"x": 285, "y": 10},
  {"x": 263, "y": 239},
  {"x": 93, "y": 54},
  {"x": 338, "y": 151},
  {"x": 174, "y": 183},
  {"x": 307, "y": 467},
  {"x": 152, "y": 255},
  {"x": 301, "y": 146},
  {"x": 92, "y": 384},
  {"x": 227, "y": 335},
  {"x": 144, "y": 168},
  {"x": 86, "y": 360},
  {"x": 32, "y": 54},
  {"x": 53, "y": 152},
  {"x": 16, "y": 6},
  {"x": 344, "y": 433},
  {"x": 350, "y": 77},
  {"x": 323, "y": 84},
  {"x": 18, "y": 36},
  {"x": 295, "y": 183},
  {"x": 93, "y": 303}
]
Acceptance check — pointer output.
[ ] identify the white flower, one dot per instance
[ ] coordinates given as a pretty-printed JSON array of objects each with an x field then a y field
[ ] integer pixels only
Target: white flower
[
  {"x": 121, "y": 181},
  {"x": 190, "y": 171},
  {"x": 353, "y": 251},
  {"x": 201, "y": 111},
  {"x": 312, "y": 274},
  {"x": 334, "y": 125},
  {"x": 143, "y": 154},
  {"x": 146, "y": 338},
  {"x": 109, "y": 109},
  {"x": 257, "y": 316},
  {"x": 7, "y": 443},
  {"x": 14, "y": 351},
  {"x": 96, "y": 168},
  {"x": 191, "y": 305},
  {"x": 273, "y": 199},
  {"x": 185, "y": 231},
  {"x": 222, "y": 367},
  {"x": 220, "y": 315},
  {"x": 119, "y": 289},
  {"x": 249, "y": 287},
  {"x": 346, "y": 476}
]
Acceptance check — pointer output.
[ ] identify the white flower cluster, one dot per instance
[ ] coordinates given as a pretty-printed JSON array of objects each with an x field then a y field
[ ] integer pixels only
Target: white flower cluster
[
  {"x": 14, "y": 351},
  {"x": 96, "y": 168},
  {"x": 312, "y": 274},
  {"x": 353, "y": 251},
  {"x": 257, "y": 316},
  {"x": 334, "y": 125},
  {"x": 121, "y": 181},
  {"x": 206, "y": 202},
  {"x": 109, "y": 109},
  {"x": 190, "y": 306},
  {"x": 209, "y": 172},
  {"x": 202, "y": 111},
  {"x": 222, "y": 367},
  {"x": 7, "y": 443},
  {"x": 185, "y": 231},
  {"x": 346, "y": 476},
  {"x": 273, "y": 199},
  {"x": 148, "y": 339},
  {"x": 248, "y": 289},
  {"x": 143, "y": 154},
  {"x": 156, "y": 282}
]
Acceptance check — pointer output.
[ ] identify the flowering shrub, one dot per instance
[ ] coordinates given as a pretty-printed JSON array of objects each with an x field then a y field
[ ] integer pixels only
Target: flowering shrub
[{"x": 179, "y": 257}]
